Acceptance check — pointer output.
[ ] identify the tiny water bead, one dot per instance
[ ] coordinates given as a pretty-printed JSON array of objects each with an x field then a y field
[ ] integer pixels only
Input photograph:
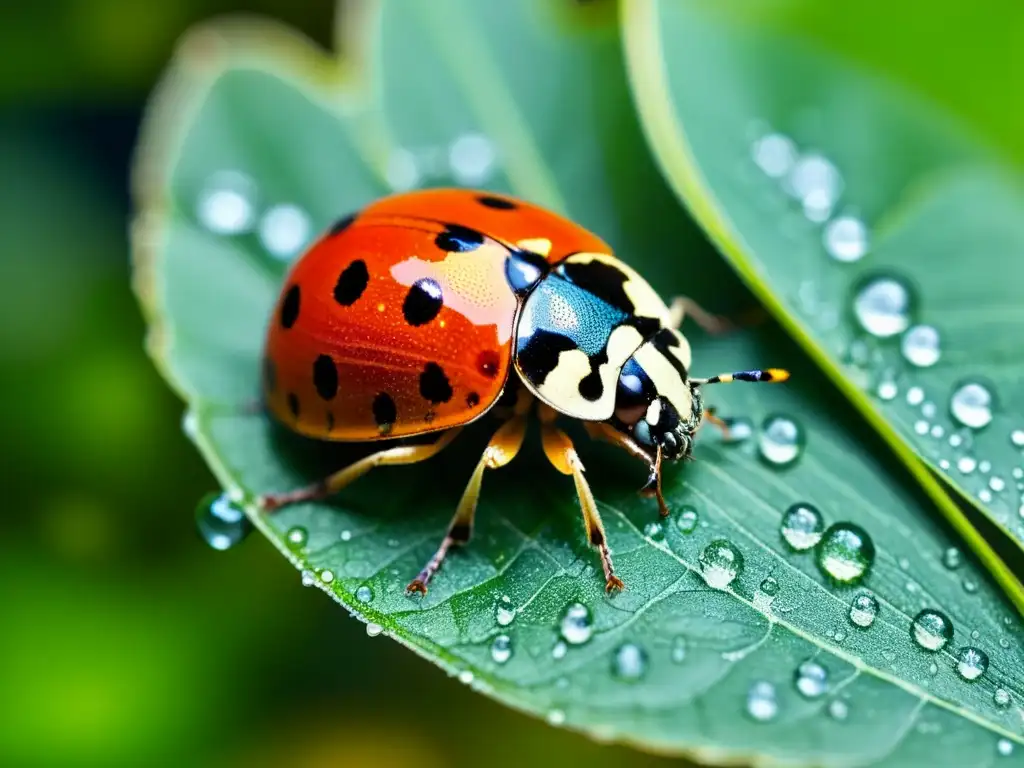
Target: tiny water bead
[
  {"x": 838, "y": 709},
  {"x": 559, "y": 650},
  {"x": 816, "y": 182},
  {"x": 1004, "y": 747},
  {"x": 504, "y": 613},
  {"x": 920, "y": 346},
  {"x": 952, "y": 558},
  {"x": 1017, "y": 438},
  {"x": 296, "y": 537},
  {"x": 501, "y": 649},
  {"x": 762, "y": 702},
  {"x": 863, "y": 610},
  {"x": 846, "y": 238},
  {"x": 466, "y": 677},
  {"x": 678, "y": 653},
  {"x": 327, "y": 576},
  {"x": 997, "y": 484},
  {"x": 769, "y": 586},
  {"x": 284, "y": 229},
  {"x": 471, "y": 158},
  {"x": 774, "y": 154},
  {"x": 221, "y": 522},
  {"x": 811, "y": 679},
  {"x": 915, "y": 396},
  {"x": 1001, "y": 698},
  {"x": 765, "y": 594},
  {"x": 630, "y": 662},
  {"x": 802, "y": 526},
  {"x": 971, "y": 663},
  {"x": 882, "y": 307},
  {"x": 781, "y": 440},
  {"x": 971, "y": 405},
  {"x": 577, "y": 624},
  {"x": 845, "y": 552},
  {"x": 720, "y": 563},
  {"x": 307, "y": 577},
  {"x": 887, "y": 389},
  {"x": 364, "y": 594},
  {"x": 226, "y": 204},
  {"x": 966, "y": 464},
  {"x": 556, "y": 717},
  {"x": 931, "y": 630},
  {"x": 654, "y": 531},
  {"x": 374, "y": 629},
  {"x": 687, "y": 520}
]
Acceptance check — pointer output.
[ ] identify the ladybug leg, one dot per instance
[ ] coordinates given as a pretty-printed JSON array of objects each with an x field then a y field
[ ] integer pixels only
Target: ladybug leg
[
  {"x": 502, "y": 448},
  {"x": 683, "y": 306},
  {"x": 599, "y": 430},
  {"x": 403, "y": 454},
  {"x": 722, "y": 424},
  {"x": 562, "y": 455}
]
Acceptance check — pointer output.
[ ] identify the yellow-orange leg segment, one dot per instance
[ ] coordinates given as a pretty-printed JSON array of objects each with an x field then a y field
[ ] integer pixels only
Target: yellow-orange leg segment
[
  {"x": 712, "y": 418},
  {"x": 599, "y": 430},
  {"x": 562, "y": 455},
  {"x": 683, "y": 307},
  {"x": 503, "y": 447},
  {"x": 403, "y": 454}
]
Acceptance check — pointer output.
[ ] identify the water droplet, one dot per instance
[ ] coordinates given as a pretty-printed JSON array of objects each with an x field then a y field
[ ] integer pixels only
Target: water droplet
[
  {"x": 920, "y": 346},
  {"x": 845, "y": 552},
  {"x": 762, "y": 703},
  {"x": 284, "y": 229},
  {"x": 225, "y": 205},
  {"x": 1018, "y": 473},
  {"x": 720, "y": 563},
  {"x": 971, "y": 663},
  {"x": 944, "y": 464},
  {"x": 221, "y": 522},
  {"x": 1004, "y": 643},
  {"x": 915, "y": 396},
  {"x": 556, "y": 717},
  {"x": 1004, "y": 747},
  {"x": 816, "y": 183},
  {"x": 308, "y": 578},
  {"x": 577, "y": 624},
  {"x": 1001, "y": 698},
  {"x": 937, "y": 431},
  {"x": 933, "y": 669},
  {"x": 952, "y": 558},
  {"x": 846, "y": 238},
  {"x": 326, "y": 576},
  {"x": 1017, "y": 438},
  {"x": 559, "y": 650},
  {"x": 296, "y": 537},
  {"x": 374, "y": 629},
  {"x": 802, "y": 526},
  {"x": 863, "y": 610},
  {"x": 687, "y": 520},
  {"x": 932, "y": 630},
  {"x": 838, "y": 709},
  {"x": 781, "y": 440},
  {"x": 402, "y": 173},
  {"x": 504, "y": 612},
  {"x": 346, "y": 535},
  {"x": 466, "y": 677},
  {"x": 765, "y": 594},
  {"x": 970, "y": 587},
  {"x": 654, "y": 531},
  {"x": 678, "y": 649},
  {"x": 740, "y": 430},
  {"x": 887, "y": 389},
  {"x": 364, "y": 594},
  {"x": 971, "y": 405},
  {"x": 921, "y": 427},
  {"x": 997, "y": 484},
  {"x": 811, "y": 679},
  {"x": 966, "y": 464},
  {"x": 984, "y": 467},
  {"x": 471, "y": 157},
  {"x": 985, "y": 495},
  {"x": 774, "y": 154},
  {"x": 769, "y": 586},
  {"x": 501, "y": 649},
  {"x": 882, "y": 307},
  {"x": 630, "y": 662}
]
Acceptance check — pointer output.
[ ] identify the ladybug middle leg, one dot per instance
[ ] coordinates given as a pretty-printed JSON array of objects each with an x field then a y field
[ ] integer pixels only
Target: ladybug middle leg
[
  {"x": 504, "y": 445},
  {"x": 559, "y": 449},
  {"x": 683, "y": 307}
]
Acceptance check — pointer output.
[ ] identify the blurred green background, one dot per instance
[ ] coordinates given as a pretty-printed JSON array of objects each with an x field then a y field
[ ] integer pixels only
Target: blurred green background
[{"x": 125, "y": 640}]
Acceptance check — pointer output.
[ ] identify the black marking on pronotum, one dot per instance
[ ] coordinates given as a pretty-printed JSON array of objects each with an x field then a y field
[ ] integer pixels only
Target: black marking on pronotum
[
  {"x": 591, "y": 387},
  {"x": 325, "y": 377},
  {"x": 664, "y": 341},
  {"x": 423, "y": 302},
  {"x": 538, "y": 354},
  {"x": 351, "y": 283},
  {"x": 434, "y": 384},
  {"x": 342, "y": 224},
  {"x": 290, "y": 307},
  {"x": 498, "y": 203},
  {"x": 523, "y": 269},
  {"x": 604, "y": 280},
  {"x": 458, "y": 239}
]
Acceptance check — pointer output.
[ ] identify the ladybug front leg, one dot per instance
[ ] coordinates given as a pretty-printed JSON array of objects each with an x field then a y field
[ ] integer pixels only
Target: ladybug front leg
[
  {"x": 600, "y": 430},
  {"x": 559, "y": 449},
  {"x": 403, "y": 454},
  {"x": 502, "y": 448}
]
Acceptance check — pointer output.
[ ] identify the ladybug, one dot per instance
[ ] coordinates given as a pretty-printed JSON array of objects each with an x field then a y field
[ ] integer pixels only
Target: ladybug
[{"x": 428, "y": 309}]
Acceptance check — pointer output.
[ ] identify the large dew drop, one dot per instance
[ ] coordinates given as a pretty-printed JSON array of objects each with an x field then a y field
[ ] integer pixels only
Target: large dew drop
[
  {"x": 811, "y": 679},
  {"x": 720, "y": 563},
  {"x": 284, "y": 229},
  {"x": 221, "y": 522},
  {"x": 577, "y": 624},
  {"x": 802, "y": 526},
  {"x": 882, "y": 307},
  {"x": 931, "y": 630},
  {"x": 762, "y": 702},
  {"x": 781, "y": 440},
  {"x": 504, "y": 613},
  {"x": 920, "y": 346},
  {"x": 863, "y": 610},
  {"x": 971, "y": 405},
  {"x": 501, "y": 649},
  {"x": 845, "y": 553},
  {"x": 774, "y": 154},
  {"x": 971, "y": 663},
  {"x": 629, "y": 662}
]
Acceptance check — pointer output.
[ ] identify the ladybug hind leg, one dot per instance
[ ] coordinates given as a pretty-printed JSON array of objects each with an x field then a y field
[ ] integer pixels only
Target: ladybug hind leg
[
  {"x": 502, "y": 448},
  {"x": 403, "y": 454},
  {"x": 562, "y": 454}
]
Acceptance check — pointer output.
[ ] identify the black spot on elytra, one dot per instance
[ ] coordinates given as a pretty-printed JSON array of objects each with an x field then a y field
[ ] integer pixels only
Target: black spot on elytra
[
  {"x": 351, "y": 283},
  {"x": 342, "y": 224},
  {"x": 498, "y": 203},
  {"x": 605, "y": 281},
  {"x": 325, "y": 377},
  {"x": 523, "y": 269},
  {"x": 488, "y": 362},
  {"x": 434, "y": 384},
  {"x": 472, "y": 400},
  {"x": 423, "y": 301},
  {"x": 384, "y": 411},
  {"x": 663, "y": 341},
  {"x": 293, "y": 404},
  {"x": 538, "y": 355},
  {"x": 458, "y": 239},
  {"x": 290, "y": 307}
]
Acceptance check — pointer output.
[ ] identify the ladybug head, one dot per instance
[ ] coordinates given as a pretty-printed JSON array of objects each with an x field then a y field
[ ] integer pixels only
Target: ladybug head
[{"x": 658, "y": 417}]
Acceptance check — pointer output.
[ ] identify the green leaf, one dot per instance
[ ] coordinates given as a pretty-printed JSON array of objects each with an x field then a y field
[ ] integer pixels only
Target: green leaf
[
  {"x": 919, "y": 200},
  {"x": 549, "y": 94}
]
